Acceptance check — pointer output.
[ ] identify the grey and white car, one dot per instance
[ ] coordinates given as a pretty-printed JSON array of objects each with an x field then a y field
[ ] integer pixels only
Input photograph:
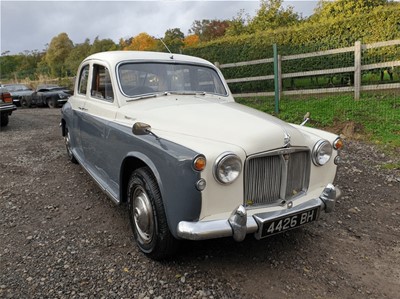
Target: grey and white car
[{"x": 162, "y": 133}]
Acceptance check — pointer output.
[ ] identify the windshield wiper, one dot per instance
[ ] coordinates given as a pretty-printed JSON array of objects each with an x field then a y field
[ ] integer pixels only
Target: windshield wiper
[
  {"x": 145, "y": 96},
  {"x": 202, "y": 93}
]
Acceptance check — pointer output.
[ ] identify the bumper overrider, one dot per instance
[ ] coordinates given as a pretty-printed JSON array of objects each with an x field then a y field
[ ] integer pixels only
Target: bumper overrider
[{"x": 240, "y": 224}]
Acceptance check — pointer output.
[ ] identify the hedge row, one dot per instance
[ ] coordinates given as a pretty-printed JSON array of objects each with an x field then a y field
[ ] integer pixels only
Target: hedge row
[{"x": 380, "y": 24}]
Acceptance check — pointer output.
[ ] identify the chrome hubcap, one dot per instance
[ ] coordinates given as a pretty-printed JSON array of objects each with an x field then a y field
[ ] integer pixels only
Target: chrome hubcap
[
  {"x": 67, "y": 144},
  {"x": 143, "y": 215}
]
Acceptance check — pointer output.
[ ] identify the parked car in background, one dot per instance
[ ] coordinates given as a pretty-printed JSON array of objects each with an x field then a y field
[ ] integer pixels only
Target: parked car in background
[
  {"x": 18, "y": 91},
  {"x": 6, "y": 106},
  {"x": 53, "y": 96},
  {"x": 163, "y": 133}
]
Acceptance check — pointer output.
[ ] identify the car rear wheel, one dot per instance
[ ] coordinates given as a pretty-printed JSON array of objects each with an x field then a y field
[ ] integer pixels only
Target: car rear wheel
[
  {"x": 147, "y": 216},
  {"x": 52, "y": 103},
  {"x": 25, "y": 103},
  {"x": 67, "y": 140},
  {"x": 4, "y": 119}
]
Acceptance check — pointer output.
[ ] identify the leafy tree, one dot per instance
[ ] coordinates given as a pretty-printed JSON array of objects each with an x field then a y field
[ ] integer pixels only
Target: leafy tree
[
  {"x": 141, "y": 42},
  {"x": 77, "y": 54},
  {"x": 28, "y": 63},
  {"x": 102, "y": 45},
  {"x": 191, "y": 40},
  {"x": 58, "y": 51},
  {"x": 238, "y": 25},
  {"x": 272, "y": 15},
  {"x": 8, "y": 66},
  {"x": 207, "y": 30},
  {"x": 326, "y": 10},
  {"x": 173, "y": 38}
]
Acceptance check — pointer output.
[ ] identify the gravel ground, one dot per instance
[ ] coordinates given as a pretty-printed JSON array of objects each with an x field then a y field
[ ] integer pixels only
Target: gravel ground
[{"x": 61, "y": 237}]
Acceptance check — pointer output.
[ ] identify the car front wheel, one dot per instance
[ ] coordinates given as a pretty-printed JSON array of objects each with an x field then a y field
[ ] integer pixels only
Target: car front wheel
[
  {"x": 147, "y": 216},
  {"x": 67, "y": 140}
]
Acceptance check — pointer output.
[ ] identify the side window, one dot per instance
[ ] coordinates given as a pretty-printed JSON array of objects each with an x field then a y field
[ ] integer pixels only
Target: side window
[
  {"x": 101, "y": 84},
  {"x": 83, "y": 80}
]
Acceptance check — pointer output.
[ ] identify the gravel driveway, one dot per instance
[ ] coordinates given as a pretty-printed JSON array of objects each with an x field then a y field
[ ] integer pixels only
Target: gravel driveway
[{"x": 61, "y": 237}]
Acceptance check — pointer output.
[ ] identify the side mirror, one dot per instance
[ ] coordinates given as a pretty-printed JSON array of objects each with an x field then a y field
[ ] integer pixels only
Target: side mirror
[{"x": 141, "y": 129}]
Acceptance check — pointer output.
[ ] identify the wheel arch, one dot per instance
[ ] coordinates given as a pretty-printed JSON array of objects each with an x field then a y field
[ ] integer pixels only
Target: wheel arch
[{"x": 130, "y": 163}]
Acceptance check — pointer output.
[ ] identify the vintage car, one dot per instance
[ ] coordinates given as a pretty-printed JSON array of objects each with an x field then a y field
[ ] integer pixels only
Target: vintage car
[
  {"x": 52, "y": 96},
  {"x": 18, "y": 91},
  {"x": 162, "y": 133},
  {"x": 6, "y": 106}
]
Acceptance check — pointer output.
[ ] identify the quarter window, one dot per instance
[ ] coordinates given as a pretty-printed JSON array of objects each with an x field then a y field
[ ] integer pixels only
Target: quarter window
[{"x": 83, "y": 80}]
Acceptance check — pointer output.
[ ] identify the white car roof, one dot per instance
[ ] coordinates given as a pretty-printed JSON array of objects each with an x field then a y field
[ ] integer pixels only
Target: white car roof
[{"x": 114, "y": 57}]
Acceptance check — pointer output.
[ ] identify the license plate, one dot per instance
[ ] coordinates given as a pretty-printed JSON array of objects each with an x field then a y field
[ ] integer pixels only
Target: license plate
[{"x": 288, "y": 222}]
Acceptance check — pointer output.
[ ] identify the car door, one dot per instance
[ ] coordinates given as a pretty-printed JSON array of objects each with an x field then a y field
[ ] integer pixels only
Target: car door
[
  {"x": 77, "y": 102},
  {"x": 99, "y": 111}
]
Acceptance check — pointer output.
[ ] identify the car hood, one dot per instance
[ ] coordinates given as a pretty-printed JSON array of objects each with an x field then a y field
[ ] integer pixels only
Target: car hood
[{"x": 214, "y": 119}]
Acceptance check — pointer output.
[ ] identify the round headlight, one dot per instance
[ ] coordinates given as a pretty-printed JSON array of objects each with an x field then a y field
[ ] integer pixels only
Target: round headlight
[
  {"x": 227, "y": 168},
  {"x": 322, "y": 152}
]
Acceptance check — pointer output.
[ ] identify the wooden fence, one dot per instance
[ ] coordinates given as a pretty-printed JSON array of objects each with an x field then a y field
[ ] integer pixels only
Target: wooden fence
[{"x": 278, "y": 76}]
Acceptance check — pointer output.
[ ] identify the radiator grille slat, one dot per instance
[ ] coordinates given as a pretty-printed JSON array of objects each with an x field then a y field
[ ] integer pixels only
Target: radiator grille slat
[
  {"x": 271, "y": 178},
  {"x": 296, "y": 173}
]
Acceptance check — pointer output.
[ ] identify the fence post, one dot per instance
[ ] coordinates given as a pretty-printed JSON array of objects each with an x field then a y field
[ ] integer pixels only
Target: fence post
[
  {"x": 357, "y": 69},
  {"x": 217, "y": 64},
  {"x": 280, "y": 76},
  {"x": 276, "y": 78}
]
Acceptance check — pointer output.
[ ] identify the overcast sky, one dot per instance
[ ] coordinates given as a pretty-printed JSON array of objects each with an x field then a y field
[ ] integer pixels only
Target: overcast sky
[{"x": 30, "y": 25}]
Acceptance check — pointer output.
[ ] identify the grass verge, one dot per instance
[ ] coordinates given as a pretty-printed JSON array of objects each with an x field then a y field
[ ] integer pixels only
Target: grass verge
[{"x": 374, "y": 118}]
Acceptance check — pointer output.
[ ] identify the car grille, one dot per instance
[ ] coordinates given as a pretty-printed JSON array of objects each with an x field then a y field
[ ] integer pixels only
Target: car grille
[{"x": 276, "y": 176}]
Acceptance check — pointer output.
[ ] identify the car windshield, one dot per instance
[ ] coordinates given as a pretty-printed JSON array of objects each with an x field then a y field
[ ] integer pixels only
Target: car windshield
[{"x": 138, "y": 79}]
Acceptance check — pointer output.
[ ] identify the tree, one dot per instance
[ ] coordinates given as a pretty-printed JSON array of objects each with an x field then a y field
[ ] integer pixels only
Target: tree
[
  {"x": 8, "y": 66},
  {"x": 272, "y": 15},
  {"x": 173, "y": 38},
  {"x": 102, "y": 45},
  {"x": 77, "y": 54},
  {"x": 58, "y": 51},
  {"x": 344, "y": 8},
  {"x": 207, "y": 30},
  {"x": 191, "y": 40},
  {"x": 141, "y": 42},
  {"x": 238, "y": 25}
]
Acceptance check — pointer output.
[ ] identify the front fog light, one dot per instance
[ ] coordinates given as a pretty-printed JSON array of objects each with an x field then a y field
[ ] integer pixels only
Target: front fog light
[
  {"x": 322, "y": 152},
  {"x": 227, "y": 168},
  {"x": 201, "y": 184}
]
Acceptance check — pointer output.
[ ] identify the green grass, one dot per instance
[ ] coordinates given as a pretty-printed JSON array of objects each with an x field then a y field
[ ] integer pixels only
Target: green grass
[{"x": 373, "y": 118}]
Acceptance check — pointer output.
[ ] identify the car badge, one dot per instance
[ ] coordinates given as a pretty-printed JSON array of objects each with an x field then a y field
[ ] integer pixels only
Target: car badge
[{"x": 286, "y": 139}]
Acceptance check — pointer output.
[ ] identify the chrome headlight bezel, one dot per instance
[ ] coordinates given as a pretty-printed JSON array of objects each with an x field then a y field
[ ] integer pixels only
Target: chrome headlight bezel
[
  {"x": 322, "y": 152},
  {"x": 227, "y": 168}
]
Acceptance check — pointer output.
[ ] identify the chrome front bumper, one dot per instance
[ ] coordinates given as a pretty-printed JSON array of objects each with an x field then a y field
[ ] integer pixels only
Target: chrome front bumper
[{"x": 239, "y": 224}]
